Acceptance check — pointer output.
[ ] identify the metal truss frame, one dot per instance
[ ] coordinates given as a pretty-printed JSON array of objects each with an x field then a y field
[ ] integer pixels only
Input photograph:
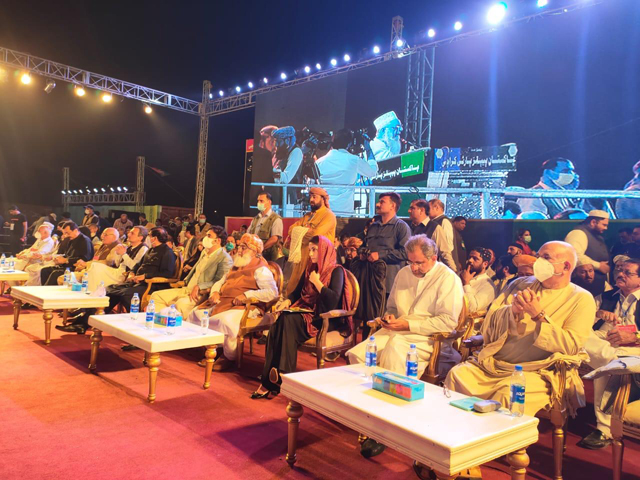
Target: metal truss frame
[
  {"x": 417, "y": 118},
  {"x": 66, "y": 180},
  {"x": 140, "y": 183},
  {"x": 201, "y": 175},
  {"x": 59, "y": 71},
  {"x": 105, "y": 198}
]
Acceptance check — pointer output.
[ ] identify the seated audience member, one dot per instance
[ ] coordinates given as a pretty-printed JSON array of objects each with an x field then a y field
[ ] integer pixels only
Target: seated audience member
[
  {"x": 214, "y": 263},
  {"x": 231, "y": 246},
  {"x": 352, "y": 246},
  {"x": 159, "y": 261},
  {"x": 479, "y": 290},
  {"x": 79, "y": 248},
  {"x": 420, "y": 224},
  {"x": 363, "y": 234},
  {"x": 43, "y": 245},
  {"x": 514, "y": 249},
  {"x": 94, "y": 234},
  {"x": 250, "y": 278},
  {"x": 624, "y": 244},
  {"x": 535, "y": 322},
  {"x": 323, "y": 288},
  {"x": 523, "y": 240},
  {"x": 584, "y": 276},
  {"x": 505, "y": 272},
  {"x": 34, "y": 269},
  {"x": 616, "y": 310},
  {"x": 524, "y": 264},
  {"x": 190, "y": 246},
  {"x": 341, "y": 255},
  {"x": 490, "y": 271},
  {"x": 122, "y": 223},
  {"x": 426, "y": 297},
  {"x": 102, "y": 222},
  {"x": 143, "y": 220},
  {"x": 105, "y": 254}
]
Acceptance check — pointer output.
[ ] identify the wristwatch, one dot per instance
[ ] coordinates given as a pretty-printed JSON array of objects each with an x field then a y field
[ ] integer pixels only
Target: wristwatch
[{"x": 539, "y": 316}]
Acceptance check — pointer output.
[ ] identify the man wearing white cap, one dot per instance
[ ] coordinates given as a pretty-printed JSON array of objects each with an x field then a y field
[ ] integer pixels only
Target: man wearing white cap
[
  {"x": 43, "y": 245},
  {"x": 387, "y": 141},
  {"x": 587, "y": 239}
]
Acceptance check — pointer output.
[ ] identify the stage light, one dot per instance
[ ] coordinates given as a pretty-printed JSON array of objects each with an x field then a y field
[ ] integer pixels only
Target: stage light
[
  {"x": 25, "y": 78},
  {"x": 265, "y": 80},
  {"x": 376, "y": 50},
  {"x": 148, "y": 109},
  {"x": 334, "y": 62},
  {"x": 63, "y": 192},
  {"x": 307, "y": 69},
  {"x": 111, "y": 188},
  {"x": 347, "y": 57},
  {"x": 106, "y": 97},
  {"x": 210, "y": 96},
  {"x": 431, "y": 33},
  {"x": 76, "y": 191},
  {"x": 283, "y": 76},
  {"x": 79, "y": 91},
  {"x": 238, "y": 89},
  {"x": 50, "y": 86},
  {"x": 496, "y": 13},
  {"x": 119, "y": 189},
  {"x": 400, "y": 43},
  {"x": 457, "y": 26},
  {"x": 250, "y": 84},
  {"x": 543, "y": 3},
  {"x": 125, "y": 189},
  {"x": 318, "y": 66},
  {"x": 221, "y": 93},
  {"x": 103, "y": 190}
]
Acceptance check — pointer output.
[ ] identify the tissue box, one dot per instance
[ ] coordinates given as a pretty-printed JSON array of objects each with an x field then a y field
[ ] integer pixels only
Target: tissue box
[
  {"x": 162, "y": 319},
  {"x": 76, "y": 287},
  {"x": 398, "y": 385}
]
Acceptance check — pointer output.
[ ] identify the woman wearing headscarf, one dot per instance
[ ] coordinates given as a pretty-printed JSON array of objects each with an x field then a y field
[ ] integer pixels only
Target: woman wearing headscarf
[{"x": 323, "y": 289}]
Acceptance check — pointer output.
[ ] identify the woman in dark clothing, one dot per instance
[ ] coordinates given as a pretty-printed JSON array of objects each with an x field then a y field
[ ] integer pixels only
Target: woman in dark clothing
[{"x": 322, "y": 290}]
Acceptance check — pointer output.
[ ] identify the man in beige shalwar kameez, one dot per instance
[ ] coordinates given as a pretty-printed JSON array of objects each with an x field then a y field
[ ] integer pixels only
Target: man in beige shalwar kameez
[{"x": 535, "y": 322}]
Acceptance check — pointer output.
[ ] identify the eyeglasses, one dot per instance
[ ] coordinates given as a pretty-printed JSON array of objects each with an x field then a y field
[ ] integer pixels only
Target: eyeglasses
[
  {"x": 242, "y": 247},
  {"x": 627, "y": 273}
]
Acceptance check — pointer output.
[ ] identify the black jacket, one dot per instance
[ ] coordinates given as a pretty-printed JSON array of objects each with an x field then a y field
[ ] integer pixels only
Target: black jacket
[
  {"x": 80, "y": 248},
  {"x": 159, "y": 261}
]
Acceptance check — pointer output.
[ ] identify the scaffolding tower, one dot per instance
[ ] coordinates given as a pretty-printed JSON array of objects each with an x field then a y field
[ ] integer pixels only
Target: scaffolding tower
[
  {"x": 419, "y": 100},
  {"x": 202, "y": 149},
  {"x": 65, "y": 188},
  {"x": 140, "y": 184}
]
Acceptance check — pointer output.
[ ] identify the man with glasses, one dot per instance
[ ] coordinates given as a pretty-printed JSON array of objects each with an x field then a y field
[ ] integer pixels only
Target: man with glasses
[{"x": 615, "y": 334}]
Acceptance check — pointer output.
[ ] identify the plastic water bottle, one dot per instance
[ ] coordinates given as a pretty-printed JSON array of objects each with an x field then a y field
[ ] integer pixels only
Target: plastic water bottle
[
  {"x": 171, "y": 321},
  {"x": 3, "y": 262},
  {"x": 517, "y": 392},
  {"x": 66, "y": 278},
  {"x": 85, "y": 283},
  {"x": 149, "y": 314},
  {"x": 135, "y": 307},
  {"x": 12, "y": 264},
  {"x": 204, "y": 322},
  {"x": 371, "y": 357},
  {"x": 412, "y": 362}
]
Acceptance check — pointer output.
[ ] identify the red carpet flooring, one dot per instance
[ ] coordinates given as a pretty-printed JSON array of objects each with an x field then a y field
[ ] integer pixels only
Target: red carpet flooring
[{"x": 60, "y": 422}]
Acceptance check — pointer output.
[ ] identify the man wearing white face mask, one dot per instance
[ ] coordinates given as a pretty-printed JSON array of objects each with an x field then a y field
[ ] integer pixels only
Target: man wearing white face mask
[
  {"x": 534, "y": 322},
  {"x": 268, "y": 226},
  {"x": 557, "y": 174},
  {"x": 44, "y": 244},
  {"x": 213, "y": 264}
]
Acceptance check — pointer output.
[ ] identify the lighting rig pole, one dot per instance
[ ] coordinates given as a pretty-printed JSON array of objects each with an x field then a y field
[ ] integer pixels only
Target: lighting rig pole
[
  {"x": 419, "y": 102},
  {"x": 202, "y": 149},
  {"x": 397, "y": 27},
  {"x": 140, "y": 184},
  {"x": 65, "y": 188}
]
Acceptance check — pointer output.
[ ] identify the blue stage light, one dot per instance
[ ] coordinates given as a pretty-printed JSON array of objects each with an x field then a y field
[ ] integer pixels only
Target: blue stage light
[
  {"x": 283, "y": 76},
  {"x": 543, "y": 3},
  {"x": 376, "y": 50},
  {"x": 333, "y": 62},
  {"x": 431, "y": 33},
  {"x": 307, "y": 69},
  {"x": 496, "y": 13},
  {"x": 318, "y": 66},
  {"x": 221, "y": 93},
  {"x": 457, "y": 26},
  {"x": 238, "y": 89},
  {"x": 400, "y": 43},
  {"x": 265, "y": 80},
  {"x": 347, "y": 57},
  {"x": 211, "y": 95},
  {"x": 250, "y": 84}
]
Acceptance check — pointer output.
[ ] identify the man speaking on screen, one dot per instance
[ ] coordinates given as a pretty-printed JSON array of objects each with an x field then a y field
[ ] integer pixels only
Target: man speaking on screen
[
  {"x": 339, "y": 167},
  {"x": 387, "y": 141}
]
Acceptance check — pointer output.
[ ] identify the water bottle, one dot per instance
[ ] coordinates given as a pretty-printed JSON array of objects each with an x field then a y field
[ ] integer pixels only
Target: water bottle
[
  {"x": 3, "y": 262},
  {"x": 204, "y": 322},
  {"x": 85, "y": 283},
  {"x": 371, "y": 357},
  {"x": 67, "y": 277},
  {"x": 517, "y": 392},
  {"x": 171, "y": 321},
  {"x": 12, "y": 264},
  {"x": 149, "y": 314},
  {"x": 135, "y": 307},
  {"x": 412, "y": 362}
]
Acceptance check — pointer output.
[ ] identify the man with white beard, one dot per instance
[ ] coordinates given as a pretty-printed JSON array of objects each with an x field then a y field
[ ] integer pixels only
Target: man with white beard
[
  {"x": 250, "y": 278},
  {"x": 44, "y": 244},
  {"x": 387, "y": 142}
]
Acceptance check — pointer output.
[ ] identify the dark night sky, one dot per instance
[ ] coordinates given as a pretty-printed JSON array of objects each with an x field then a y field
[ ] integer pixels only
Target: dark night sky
[{"x": 172, "y": 48}]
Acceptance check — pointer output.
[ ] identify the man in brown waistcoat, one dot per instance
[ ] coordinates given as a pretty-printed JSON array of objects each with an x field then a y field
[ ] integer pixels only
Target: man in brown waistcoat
[
  {"x": 250, "y": 277},
  {"x": 267, "y": 225}
]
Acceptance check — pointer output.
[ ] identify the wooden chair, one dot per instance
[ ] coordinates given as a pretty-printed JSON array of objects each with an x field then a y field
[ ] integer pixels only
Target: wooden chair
[
  {"x": 250, "y": 325},
  {"x": 625, "y": 420},
  {"x": 327, "y": 342},
  {"x": 160, "y": 280}
]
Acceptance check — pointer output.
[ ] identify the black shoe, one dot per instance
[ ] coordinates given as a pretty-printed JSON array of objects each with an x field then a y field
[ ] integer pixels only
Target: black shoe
[
  {"x": 128, "y": 348},
  {"x": 371, "y": 448},
  {"x": 255, "y": 395},
  {"x": 595, "y": 441},
  {"x": 79, "y": 329},
  {"x": 262, "y": 340}
]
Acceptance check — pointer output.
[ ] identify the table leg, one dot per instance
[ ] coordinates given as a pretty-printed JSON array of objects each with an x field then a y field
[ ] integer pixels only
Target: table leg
[
  {"x": 519, "y": 461},
  {"x": 100, "y": 311},
  {"x": 48, "y": 315},
  {"x": 210, "y": 355},
  {"x": 294, "y": 412},
  {"x": 445, "y": 476},
  {"x": 17, "y": 305},
  {"x": 96, "y": 338},
  {"x": 65, "y": 316},
  {"x": 153, "y": 362}
]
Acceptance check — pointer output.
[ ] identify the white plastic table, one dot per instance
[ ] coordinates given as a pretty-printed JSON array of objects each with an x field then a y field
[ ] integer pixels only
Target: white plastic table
[
  {"x": 13, "y": 276},
  {"x": 50, "y": 298},
  {"x": 430, "y": 431},
  {"x": 153, "y": 342}
]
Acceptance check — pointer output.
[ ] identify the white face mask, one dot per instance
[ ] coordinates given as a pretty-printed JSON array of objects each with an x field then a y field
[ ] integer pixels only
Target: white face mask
[
  {"x": 207, "y": 242},
  {"x": 565, "y": 179},
  {"x": 202, "y": 221},
  {"x": 261, "y": 207},
  {"x": 543, "y": 269}
]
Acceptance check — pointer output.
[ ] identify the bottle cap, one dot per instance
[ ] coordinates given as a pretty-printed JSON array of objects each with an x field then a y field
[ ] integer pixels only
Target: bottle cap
[
  {"x": 372, "y": 338},
  {"x": 413, "y": 345},
  {"x": 518, "y": 368}
]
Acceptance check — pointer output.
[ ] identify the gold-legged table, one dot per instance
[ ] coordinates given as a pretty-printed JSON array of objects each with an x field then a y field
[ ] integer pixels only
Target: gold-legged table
[
  {"x": 13, "y": 276},
  {"x": 153, "y": 342},
  {"x": 430, "y": 431}
]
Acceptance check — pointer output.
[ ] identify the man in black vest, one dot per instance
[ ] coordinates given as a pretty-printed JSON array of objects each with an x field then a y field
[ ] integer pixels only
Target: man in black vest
[
  {"x": 268, "y": 226},
  {"x": 420, "y": 224},
  {"x": 436, "y": 214},
  {"x": 587, "y": 239},
  {"x": 618, "y": 314}
]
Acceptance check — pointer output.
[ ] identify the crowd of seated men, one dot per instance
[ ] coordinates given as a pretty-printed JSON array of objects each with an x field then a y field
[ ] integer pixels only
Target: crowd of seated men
[{"x": 416, "y": 277}]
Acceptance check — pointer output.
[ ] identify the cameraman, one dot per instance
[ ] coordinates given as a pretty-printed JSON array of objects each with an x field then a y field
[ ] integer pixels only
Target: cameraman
[
  {"x": 288, "y": 155},
  {"x": 339, "y": 167}
]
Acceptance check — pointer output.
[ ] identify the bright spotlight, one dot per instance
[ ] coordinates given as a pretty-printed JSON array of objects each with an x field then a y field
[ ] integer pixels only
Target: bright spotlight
[
  {"x": 210, "y": 96},
  {"x": 250, "y": 84},
  {"x": 50, "y": 86},
  {"x": 79, "y": 91},
  {"x": 106, "y": 97},
  {"x": 111, "y": 188},
  {"x": 221, "y": 93},
  {"x": 125, "y": 189},
  {"x": 496, "y": 13},
  {"x": 318, "y": 66},
  {"x": 307, "y": 69},
  {"x": 376, "y": 50},
  {"x": 103, "y": 190},
  {"x": 76, "y": 191},
  {"x": 347, "y": 57},
  {"x": 148, "y": 109},
  {"x": 400, "y": 43},
  {"x": 543, "y": 3},
  {"x": 283, "y": 76},
  {"x": 238, "y": 89},
  {"x": 457, "y": 26},
  {"x": 334, "y": 62},
  {"x": 265, "y": 80},
  {"x": 25, "y": 78},
  {"x": 119, "y": 189},
  {"x": 63, "y": 192},
  {"x": 431, "y": 33}
]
